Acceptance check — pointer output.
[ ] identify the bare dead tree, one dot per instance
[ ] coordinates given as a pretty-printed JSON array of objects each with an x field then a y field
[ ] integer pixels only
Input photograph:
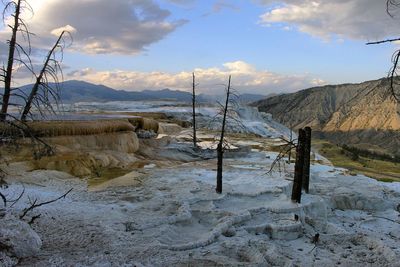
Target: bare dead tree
[
  {"x": 16, "y": 52},
  {"x": 12, "y": 129},
  {"x": 43, "y": 94},
  {"x": 220, "y": 147},
  {"x": 11, "y": 54},
  {"x": 194, "y": 109},
  {"x": 50, "y": 69}
]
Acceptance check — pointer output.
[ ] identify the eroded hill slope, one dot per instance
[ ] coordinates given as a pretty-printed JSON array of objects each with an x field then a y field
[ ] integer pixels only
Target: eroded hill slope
[{"x": 362, "y": 113}]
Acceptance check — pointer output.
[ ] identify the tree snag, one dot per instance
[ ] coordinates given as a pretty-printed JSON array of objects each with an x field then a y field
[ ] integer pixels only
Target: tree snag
[
  {"x": 39, "y": 79},
  {"x": 307, "y": 152},
  {"x": 220, "y": 147},
  {"x": 194, "y": 110},
  {"x": 10, "y": 61},
  {"x": 299, "y": 167}
]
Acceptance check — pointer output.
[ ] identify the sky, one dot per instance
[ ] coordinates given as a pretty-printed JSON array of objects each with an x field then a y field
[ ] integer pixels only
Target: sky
[{"x": 268, "y": 46}]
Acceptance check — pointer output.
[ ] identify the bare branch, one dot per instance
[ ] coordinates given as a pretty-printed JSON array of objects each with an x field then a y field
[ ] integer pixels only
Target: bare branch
[
  {"x": 34, "y": 205},
  {"x": 392, "y": 74},
  {"x": 285, "y": 150},
  {"x": 392, "y": 5},
  {"x": 18, "y": 198},
  {"x": 383, "y": 41}
]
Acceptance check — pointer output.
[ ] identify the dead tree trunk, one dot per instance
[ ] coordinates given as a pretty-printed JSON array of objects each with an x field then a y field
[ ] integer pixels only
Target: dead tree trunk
[
  {"x": 299, "y": 167},
  {"x": 220, "y": 155},
  {"x": 307, "y": 151},
  {"x": 10, "y": 63},
  {"x": 194, "y": 111},
  {"x": 39, "y": 78},
  {"x": 220, "y": 148}
]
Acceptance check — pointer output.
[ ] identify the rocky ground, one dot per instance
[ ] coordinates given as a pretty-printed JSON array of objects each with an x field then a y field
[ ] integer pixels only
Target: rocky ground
[{"x": 169, "y": 214}]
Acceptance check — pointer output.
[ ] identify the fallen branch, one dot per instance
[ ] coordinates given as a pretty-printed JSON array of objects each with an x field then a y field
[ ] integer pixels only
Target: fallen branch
[{"x": 34, "y": 205}]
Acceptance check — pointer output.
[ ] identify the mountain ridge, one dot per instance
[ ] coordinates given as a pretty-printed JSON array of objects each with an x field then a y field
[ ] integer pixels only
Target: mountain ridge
[
  {"x": 354, "y": 113},
  {"x": 82, "y": 91}
]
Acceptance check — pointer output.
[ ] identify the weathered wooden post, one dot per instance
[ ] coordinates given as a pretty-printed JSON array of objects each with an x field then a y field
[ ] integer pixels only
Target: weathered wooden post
[
  {"x": 299, "y": 167},
  {"x": 307, "y": 151}
]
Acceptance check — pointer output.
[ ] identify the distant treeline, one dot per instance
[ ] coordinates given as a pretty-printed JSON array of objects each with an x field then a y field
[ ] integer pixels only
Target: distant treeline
[{"x": 357, "y": 152}]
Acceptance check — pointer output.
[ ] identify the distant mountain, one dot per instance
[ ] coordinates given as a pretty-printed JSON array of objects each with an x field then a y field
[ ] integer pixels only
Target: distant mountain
[
  {"x": 241, "y": 98},
  {"x": 362, "y": 113},
  {"x": 168, "y": 94},
  {"x": 80, "y": 91}
]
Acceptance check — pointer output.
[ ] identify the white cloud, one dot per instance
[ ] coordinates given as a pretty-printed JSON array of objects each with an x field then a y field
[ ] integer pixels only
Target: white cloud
[
  {"x": 67, "y": 28},
  {"x": 100, "y": 26},
  {"x": 245, "y": 78},
  {"x": 354, "y": 19}
]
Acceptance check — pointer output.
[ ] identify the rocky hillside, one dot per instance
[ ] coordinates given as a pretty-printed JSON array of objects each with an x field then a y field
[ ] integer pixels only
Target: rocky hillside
[{"x": 362, "y": 113}]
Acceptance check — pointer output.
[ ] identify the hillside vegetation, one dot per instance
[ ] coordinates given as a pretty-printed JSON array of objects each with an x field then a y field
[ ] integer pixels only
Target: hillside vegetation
[{"x": 381, "y": 169}]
